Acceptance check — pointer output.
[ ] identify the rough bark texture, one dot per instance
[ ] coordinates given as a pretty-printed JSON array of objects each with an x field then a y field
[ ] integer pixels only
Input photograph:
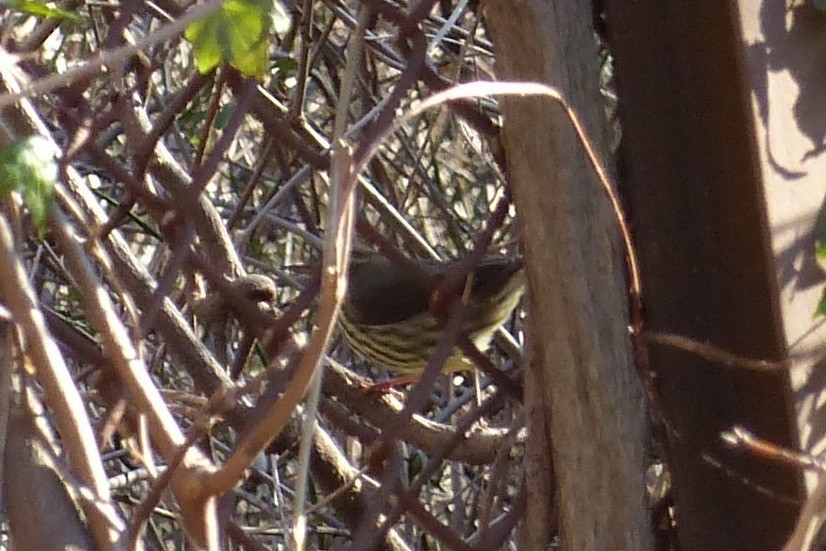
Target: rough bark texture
[
  {"x": 42, "y": 514},
  {"x": 581, "y": 387}
]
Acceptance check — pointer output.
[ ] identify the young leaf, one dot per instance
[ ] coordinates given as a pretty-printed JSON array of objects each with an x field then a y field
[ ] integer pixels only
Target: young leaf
[
  {"x": 820, "y": 243},
  {"x": 285, "y": 64},
  {"x": 238, "y": 33},
  {"x": 40, "y": 9},
  {"x": 222, "y": 117},
  {"x": 820, "y": 311},
  {"x": 28, "y": 165}
]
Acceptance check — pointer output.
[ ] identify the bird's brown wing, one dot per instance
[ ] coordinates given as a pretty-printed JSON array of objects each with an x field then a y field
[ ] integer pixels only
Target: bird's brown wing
[{"x": 380, "y": 293}]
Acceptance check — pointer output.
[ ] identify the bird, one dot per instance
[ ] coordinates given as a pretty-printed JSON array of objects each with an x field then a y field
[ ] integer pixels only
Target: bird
[{"x": 390, "y": 317}]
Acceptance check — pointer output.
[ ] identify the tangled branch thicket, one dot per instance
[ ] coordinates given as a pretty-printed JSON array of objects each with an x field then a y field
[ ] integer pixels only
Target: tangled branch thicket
[{"x": 185, "y": 243}]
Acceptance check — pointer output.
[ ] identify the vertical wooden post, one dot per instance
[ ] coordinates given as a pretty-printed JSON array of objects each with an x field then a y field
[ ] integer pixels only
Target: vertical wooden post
[
  {"x": 694, "y": 184},
  {"x": 784, "y": 71}
]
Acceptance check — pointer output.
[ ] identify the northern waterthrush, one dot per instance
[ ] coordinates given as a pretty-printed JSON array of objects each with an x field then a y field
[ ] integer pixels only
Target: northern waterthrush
[{"x": 390, "y": 318}]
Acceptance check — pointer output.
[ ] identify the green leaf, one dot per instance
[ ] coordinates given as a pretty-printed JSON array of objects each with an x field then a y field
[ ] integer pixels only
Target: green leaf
[
  {"x": 222, "y": 118},
  {"x": 820, "y": 311},
  {"x": 285, "y": 64},
  {"x": 28, "y": 165},
  {"x": 312, "y": 492},
  {"x": 820, "y": 243},
  {"x": 238, "y": 33},
  {"x": 40, "y": 9}
]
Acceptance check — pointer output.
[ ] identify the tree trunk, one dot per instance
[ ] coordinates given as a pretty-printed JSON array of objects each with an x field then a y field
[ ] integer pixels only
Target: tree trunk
[{"x": 585, "y": 410}]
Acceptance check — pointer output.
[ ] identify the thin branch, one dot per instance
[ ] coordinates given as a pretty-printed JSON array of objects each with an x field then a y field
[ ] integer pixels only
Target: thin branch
[
  {"x": 111, "y": 60},
  {"x": 333, "y": 286},
  {"x": 61, "y": 393}
]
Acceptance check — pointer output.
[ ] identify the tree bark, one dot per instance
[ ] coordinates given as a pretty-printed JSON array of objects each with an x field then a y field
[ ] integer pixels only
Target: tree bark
[{"x": 585, "y": 410}]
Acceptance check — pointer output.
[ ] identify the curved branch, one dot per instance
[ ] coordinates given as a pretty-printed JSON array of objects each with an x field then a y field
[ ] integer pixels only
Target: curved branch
[{"x": 479, "y": 446}]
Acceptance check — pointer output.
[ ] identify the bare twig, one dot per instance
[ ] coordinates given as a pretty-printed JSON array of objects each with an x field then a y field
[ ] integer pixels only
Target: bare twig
[
  {"x": 62, "y": 395},
  {"x": 111, "y": 60},
  {"x": 333, "y": 286}
]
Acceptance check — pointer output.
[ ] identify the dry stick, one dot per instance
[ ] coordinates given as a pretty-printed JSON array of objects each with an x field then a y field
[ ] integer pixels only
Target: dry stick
[
  {"x": 328, "y": 499},
  {"x": 299, "y": 529},
  {"x": 741, "y": 438},
  {"x": 252, "y": 183},
  {"x": 498, "y": 473},
  {"x": 419, "y": 12},
  {"x": 297, "y": 107},
  {"x": 341, "y": 180},
  {"x": 477, "y": 447},
  {"x": 366, "y": 536},
  {"x": 448, "y": 26},
  {"x": 205, "y": 171},
  {"x": 811, "y": 519},
  {"x": 334, "y": 472},
  {"x": 494, "y": 538},
  {"x": 6, "y": 371},
  {"x": 141, "y": 514},
  {"x": 272, "y": 115},
  {"x": 220, "y": 401},
  {"x": 180, "y": 241},
  {"x": 207, "y": 124},
  {"x": 62, "y": 395},
  {"x": 432, "y": 526},
  {"x": 242, "y": 539},
  {"x": 135, "y": 187},
  {"x": 378, "y": 128},
  {"x": 112, "y": 59},
  {"x": 435, "y": 460},
  {"x": 163, "y": 121},
  {"x": 333, "y": 288},
  {"x": 166, "y": 433},
  {"x": 712, "y": 353}
]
